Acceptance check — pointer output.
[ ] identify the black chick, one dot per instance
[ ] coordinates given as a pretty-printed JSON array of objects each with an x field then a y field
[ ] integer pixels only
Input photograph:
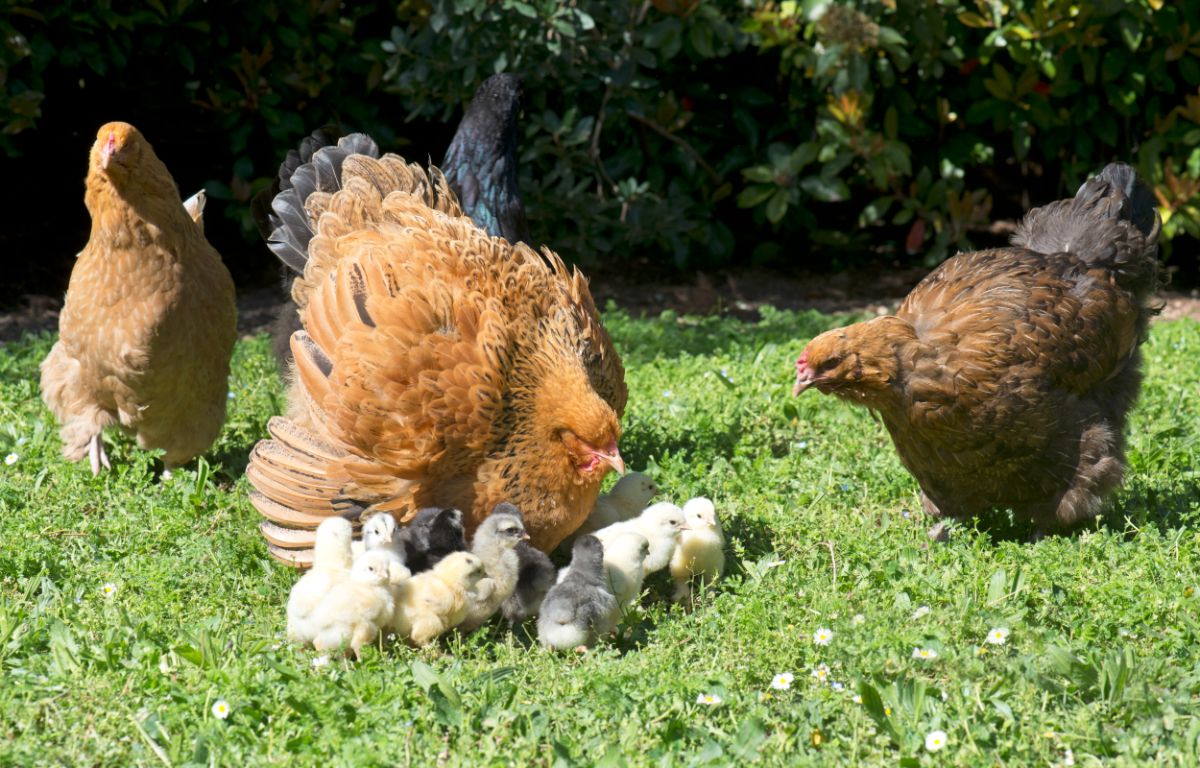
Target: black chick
[
  {"x": 481, "y": 163},
  {"x": 432, "y": 534},
  {"x": 480, "y": 166}
]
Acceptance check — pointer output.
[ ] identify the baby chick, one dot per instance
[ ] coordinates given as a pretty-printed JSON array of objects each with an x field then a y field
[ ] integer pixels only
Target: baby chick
[
  {"x": 495, "y": 544},
  {"x": 535, "y": 576},
  {"x": 331, "y": 564},
  {"x": 580, "y": 608},
  {"x": 379, "y": 535},
  {"x": 661, "y": 524},
  {"x": 701, "y": 550},
  {"x": 434, "y": 601},
  {"x": 432, "y": 534},
  {"x": 624, "y": 565},
  {"x": 359, "y": 605},
  {"x": 626, "y": 500}
]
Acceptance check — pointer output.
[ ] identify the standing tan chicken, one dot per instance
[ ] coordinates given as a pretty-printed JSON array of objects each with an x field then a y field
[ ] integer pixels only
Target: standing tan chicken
[
  {"x": 438, "y": 366},
  {"x": 149, "y": 322},
  {"x": 1006, "y": 376}
]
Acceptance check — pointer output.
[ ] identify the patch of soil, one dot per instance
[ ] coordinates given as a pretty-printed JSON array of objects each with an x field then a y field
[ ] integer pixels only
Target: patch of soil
[{"x": 739, "y": 295}]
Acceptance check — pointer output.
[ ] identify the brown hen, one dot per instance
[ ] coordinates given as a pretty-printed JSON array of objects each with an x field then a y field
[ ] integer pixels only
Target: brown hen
[
  {"x": 1006, "y": 376},
  {"x": 438, "y": 366},
  {"x": 149, "y": 321}
]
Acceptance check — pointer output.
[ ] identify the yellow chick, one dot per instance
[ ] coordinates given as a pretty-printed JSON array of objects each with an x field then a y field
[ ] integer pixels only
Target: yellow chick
[
  {"x": 352, "y": 613},
  {"x": 701, "y": 549},
  {"x": 434, "y": 601},
  {"x": 331, "y": 564}
]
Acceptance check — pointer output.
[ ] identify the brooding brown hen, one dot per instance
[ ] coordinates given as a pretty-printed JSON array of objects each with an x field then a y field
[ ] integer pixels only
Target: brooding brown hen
[
  {"x": 1005, "y": 377},
  {"x": 149, "y": 322},
  {"x": 438, "y": 366}
]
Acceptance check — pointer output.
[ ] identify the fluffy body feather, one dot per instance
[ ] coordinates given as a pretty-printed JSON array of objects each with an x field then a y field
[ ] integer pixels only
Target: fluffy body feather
[
  {"x": 438, "y": 366},
  {"x": 331, "y": 564},
  {"x": 437, "y": 600},
  {"x": 149, "y": 322},
  {"x": 495, "y": 545},
  {"x": 701, "y": 550},
  {"x": 379, "y": 535},
  {"x": 628, "y": 497},
  {"x": 1006, "y": 376},
  {"x": 579, "y": 609},
  {"x": 535, "y": 576},
  {"x": 361, "y": 603},
  {"x": 660, "y": 524},
  {"x": 431, "y": 535},
  {"x": 624, "y": 566}
]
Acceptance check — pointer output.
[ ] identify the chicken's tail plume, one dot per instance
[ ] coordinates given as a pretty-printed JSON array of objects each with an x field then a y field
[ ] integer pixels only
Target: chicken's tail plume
[{"x": 1111, "y": 222}]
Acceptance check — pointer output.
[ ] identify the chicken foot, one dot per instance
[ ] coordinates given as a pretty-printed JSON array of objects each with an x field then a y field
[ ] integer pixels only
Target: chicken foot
[{"x": 96, "y": 455}]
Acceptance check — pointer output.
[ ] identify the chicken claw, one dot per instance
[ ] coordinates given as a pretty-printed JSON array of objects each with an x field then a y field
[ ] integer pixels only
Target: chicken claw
[{"x": 96, "y": 455}]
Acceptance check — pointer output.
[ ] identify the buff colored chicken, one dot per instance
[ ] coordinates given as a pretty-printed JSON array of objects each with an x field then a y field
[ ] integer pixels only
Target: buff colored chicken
[
  {"x": 438, "y": 365},
  {"x": 1006, "y": 376},
  {"x": 149, "y": 322}
]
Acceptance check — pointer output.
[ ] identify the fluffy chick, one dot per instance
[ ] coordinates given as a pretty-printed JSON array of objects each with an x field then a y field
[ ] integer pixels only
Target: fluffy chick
[
  {"x": 625, "y": 501},
  {"x": 434, "y": 601},
  {"x": 661, "y": 524},
  {"x": 331, "y": 564},
  {"x": 379, "y": 535},
  {"x": 495, "y": 545},
  {"x": 624, "y": 565},
  {"x": 580, "y": 608},
  {"x": 535, "y": 576},
  {"x": 359, "y": 605},
  {"x": 431, "y": 535},
  {"x": 701, "y": 550}
]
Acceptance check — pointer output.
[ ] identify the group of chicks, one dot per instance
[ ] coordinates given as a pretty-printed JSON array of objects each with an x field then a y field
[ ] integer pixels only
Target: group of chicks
[{"x": 421, "y": 580}]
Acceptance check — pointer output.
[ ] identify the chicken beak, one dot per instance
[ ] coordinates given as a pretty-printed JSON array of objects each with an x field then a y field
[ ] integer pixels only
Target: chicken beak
[
  {"x": 614, "y": 460},
  {"x": 804, "y": 376},
  {"x": 106, "y": 152}
]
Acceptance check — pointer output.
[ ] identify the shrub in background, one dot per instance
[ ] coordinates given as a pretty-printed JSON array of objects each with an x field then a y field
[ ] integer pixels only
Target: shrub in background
[{"x": 684, "y": 133}]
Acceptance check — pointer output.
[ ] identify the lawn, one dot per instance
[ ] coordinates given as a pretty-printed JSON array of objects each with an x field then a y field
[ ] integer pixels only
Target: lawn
[{"x": 129, "y": 607}]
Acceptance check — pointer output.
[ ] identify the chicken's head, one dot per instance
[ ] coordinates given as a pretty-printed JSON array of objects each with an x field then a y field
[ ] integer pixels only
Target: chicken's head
[
  {"x": 118, "y": 148},
  {"x": 581, "y": 429},
  {"x": 858, "y": 362}
]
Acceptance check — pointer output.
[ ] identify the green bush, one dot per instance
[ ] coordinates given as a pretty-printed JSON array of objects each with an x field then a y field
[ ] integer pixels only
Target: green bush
[{"x": 690, "y": 133}]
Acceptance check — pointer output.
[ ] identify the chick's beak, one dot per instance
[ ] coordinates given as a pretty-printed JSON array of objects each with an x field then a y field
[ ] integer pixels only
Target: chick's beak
[{"x": 804, "y": 375}]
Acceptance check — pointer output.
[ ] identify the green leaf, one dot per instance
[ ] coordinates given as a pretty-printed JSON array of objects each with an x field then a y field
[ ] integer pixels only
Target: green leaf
[{"x": 777, "y": 206}]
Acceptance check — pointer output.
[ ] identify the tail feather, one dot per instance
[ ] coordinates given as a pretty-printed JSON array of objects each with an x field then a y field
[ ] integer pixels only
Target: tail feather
[{"x": 1111, "y": 223}]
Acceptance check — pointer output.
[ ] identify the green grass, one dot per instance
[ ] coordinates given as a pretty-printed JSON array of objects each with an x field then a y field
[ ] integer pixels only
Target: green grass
[{"x": 1102, "y": 656}]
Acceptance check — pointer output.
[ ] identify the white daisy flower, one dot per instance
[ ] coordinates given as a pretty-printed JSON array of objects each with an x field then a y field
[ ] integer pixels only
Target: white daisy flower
[
  {"x": 109, "y": 589},
  {"x": 320, "y": 661},
  {"x": 921, "y": 612},
  {"x": 221, "y": 709},
  {"x": 935, "y": 740},
  {"x": 998, "y": 636},
  {"x": 708, "y": 699},
  {"x": 821, "y": 672},
  {"x": 926, "y": 654},
  {"x": 11, "y": 459},
  {"x": 857, "y": 699},
  {"x": 668, "y": 393},
  {"x": 823, "y": 636},
  {"x": 782, "y": 681},
  {"x": 1068, "y": 757},
  {"x": 858, "y": 619}
]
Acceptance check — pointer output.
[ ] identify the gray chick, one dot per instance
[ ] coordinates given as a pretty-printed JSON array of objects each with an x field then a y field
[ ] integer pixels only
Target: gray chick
[
  {"x": 494, "y": 544},
  {"x": 432, "y": 534},
  {"x": 579, "y": 609}
]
